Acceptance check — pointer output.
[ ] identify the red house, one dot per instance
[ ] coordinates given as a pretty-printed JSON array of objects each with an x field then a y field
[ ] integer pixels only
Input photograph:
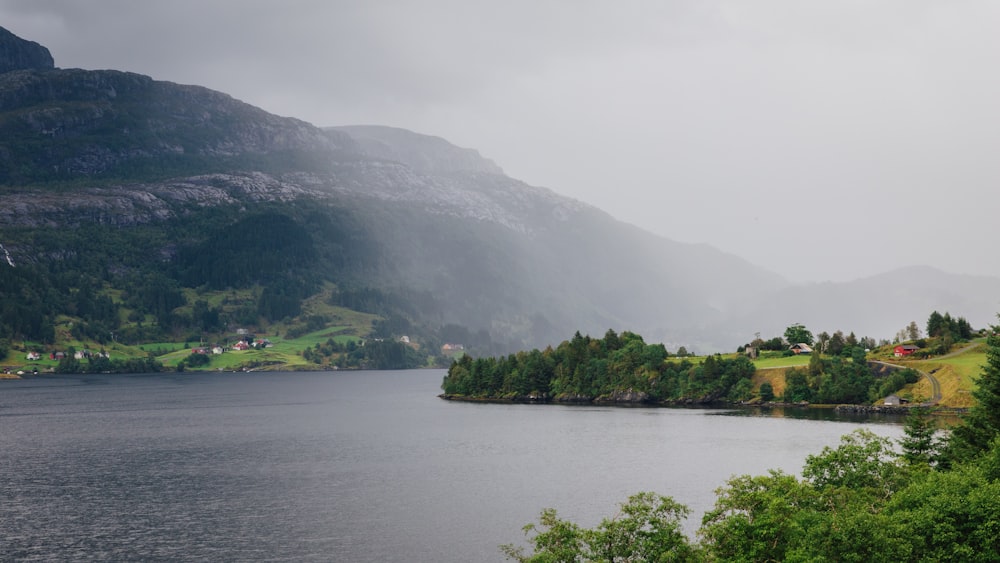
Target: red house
[{"x": 904, "y": 350}]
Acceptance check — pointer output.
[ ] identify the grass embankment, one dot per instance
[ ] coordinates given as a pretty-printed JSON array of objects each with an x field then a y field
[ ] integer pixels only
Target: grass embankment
[
  {"x": 775, "y": 376},
  {"x": 957, "y": 375}
]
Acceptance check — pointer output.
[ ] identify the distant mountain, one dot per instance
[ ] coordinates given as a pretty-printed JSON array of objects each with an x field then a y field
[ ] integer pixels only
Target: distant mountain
[
  {"x": 877, "y": 306},
  {"x": 118, "y": 184}
]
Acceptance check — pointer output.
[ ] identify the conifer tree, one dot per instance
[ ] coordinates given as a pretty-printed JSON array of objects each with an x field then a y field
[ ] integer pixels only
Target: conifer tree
[
  {"x": 918, "y": 444},
  {"x": 982, "y": 423}
]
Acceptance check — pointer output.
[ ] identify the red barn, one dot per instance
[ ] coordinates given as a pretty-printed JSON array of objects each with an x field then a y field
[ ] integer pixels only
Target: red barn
[{"x": 904, "y": 350}]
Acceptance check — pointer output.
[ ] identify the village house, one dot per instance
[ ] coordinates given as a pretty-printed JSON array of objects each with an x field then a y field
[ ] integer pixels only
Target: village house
[
  {"x": 801, "y": 348},
  {"x": 32, "y": 356},
  {"x": 241, "y": 345},
  {"x": 904, "y": 350}
]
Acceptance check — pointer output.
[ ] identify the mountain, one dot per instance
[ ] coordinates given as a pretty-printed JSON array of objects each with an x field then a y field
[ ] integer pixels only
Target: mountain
[
  {"x": 878, "y": 306},
  {"x": 126, "y": 201},
  {"x": 133, "y": 160}
]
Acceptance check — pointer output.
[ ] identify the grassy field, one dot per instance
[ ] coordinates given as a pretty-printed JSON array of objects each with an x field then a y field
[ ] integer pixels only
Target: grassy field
[
  {"x": 782, "y": 362},
  {"x": 283, "y": 353},
  {"x": 957, "y": 376},
  {"x": 238, "y": 360}
]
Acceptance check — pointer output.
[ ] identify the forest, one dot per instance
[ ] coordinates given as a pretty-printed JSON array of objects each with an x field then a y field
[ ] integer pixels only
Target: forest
[
  {"x": 932, "y": 496},
  {"x": 586, "y": 369},
  {"x": 623, "y": 368}
]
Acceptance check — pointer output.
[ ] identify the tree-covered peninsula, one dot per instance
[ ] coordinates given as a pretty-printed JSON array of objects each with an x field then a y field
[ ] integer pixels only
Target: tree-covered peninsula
[
  {"x": 614, "y": 369},
  {"x": 930, "y": 496}
]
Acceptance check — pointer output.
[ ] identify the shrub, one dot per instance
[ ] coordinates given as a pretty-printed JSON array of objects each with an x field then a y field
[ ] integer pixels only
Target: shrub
[{"x": 766, "y": 391}]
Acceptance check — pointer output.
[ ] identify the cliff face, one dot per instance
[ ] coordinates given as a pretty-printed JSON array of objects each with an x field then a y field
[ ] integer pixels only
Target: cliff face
[
  {"x": 19, "y": 54},
  {"x": 61, "y": 124}
]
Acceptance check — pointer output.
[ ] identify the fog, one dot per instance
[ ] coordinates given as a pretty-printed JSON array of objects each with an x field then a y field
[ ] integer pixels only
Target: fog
[{"x": 822, "y": 140}]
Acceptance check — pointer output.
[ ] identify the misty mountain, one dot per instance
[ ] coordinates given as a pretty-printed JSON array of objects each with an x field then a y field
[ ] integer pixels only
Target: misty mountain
[
  {"x": 880, "y": 305},
  {"x": 422, "y": 153},
  {"x": 128, "y": 178}
]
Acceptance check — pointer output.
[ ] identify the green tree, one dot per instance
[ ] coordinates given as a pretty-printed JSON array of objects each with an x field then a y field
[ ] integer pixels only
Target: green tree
[
  {"x": 836, "y": 344},
  {"x": 756, "y": 518},
  {"x": 766, "y": 391},
  {"x": 821, "y": 340},
  {"x": 742, "y": 391},
  {"x": 935, "y": 324},
  {"x": 815, "y": 365},
  {"x": 862, "y": 461},
  {"x": 798, "y": 333},
  {"x": 851, "y": 340},
  {"x": 982, "y": 423},
  {"x": 949, "y": 515},
  {"x": 198, "y": 360},
  {"x": 554, "y": 540},
  {"x": 797, "y": 386},
  {"x": 647, "y": 528},
  {"x": 919, "y": 446}
]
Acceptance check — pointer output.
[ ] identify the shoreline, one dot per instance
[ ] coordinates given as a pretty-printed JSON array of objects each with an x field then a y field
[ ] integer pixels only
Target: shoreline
[{"x": 689, "y": 403}]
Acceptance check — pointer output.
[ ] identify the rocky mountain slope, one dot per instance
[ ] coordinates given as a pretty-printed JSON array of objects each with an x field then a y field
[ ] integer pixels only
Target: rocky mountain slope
[{"x": 19, "y": 54}]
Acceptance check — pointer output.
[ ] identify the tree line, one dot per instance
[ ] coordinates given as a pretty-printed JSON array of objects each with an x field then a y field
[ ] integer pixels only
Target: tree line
[
  {"x": 839, "y": 380},
  {"x": 585, "y": 368}
]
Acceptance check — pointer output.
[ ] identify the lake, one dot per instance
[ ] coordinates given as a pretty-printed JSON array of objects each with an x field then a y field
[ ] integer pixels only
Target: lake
[{"x": 347, "y": 466}]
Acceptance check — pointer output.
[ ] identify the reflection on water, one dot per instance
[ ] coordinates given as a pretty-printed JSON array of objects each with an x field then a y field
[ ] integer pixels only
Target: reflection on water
[{"x": 829, "y": 414}]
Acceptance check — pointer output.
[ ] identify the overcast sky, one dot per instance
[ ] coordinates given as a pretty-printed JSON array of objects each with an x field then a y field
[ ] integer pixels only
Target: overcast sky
[{"x": 821, "y": 140}]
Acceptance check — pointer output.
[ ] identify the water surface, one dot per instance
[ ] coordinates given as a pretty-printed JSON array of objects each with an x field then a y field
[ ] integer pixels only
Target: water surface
[{"x": 344, "y": 466}]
